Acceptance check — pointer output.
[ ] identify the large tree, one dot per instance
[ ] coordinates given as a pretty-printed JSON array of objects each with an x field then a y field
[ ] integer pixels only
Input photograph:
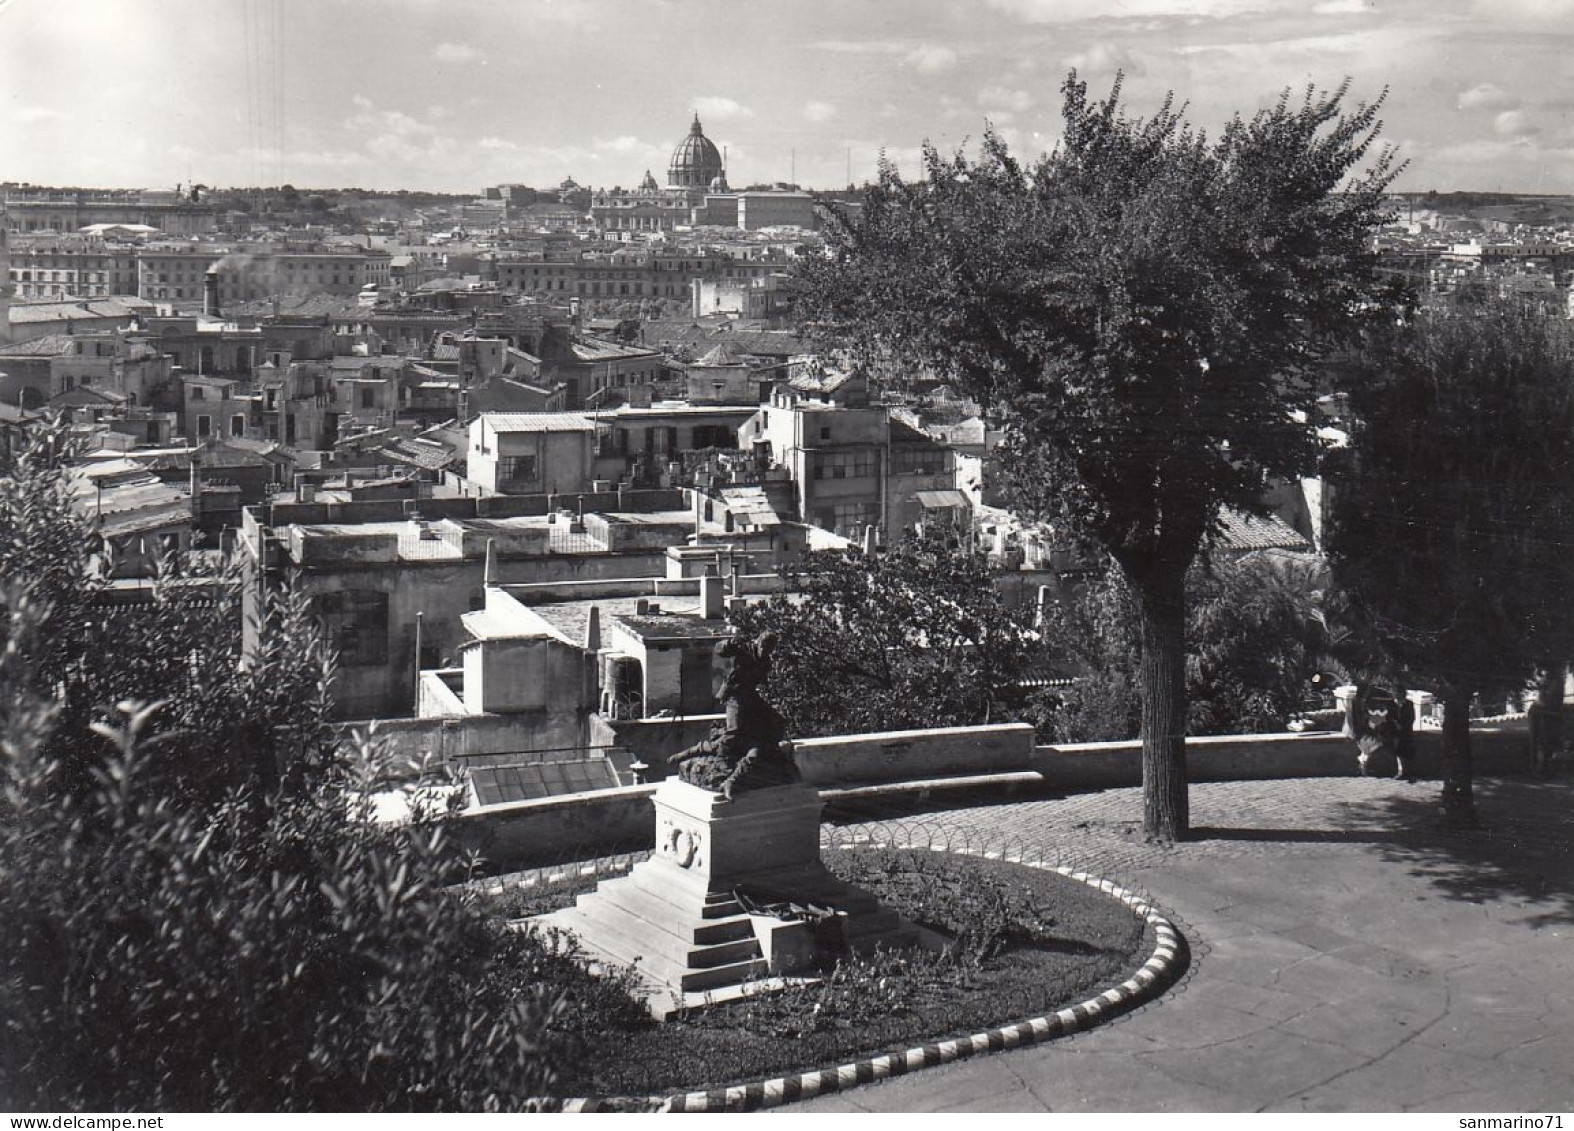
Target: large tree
[
  {"x": 1141, "y": 308},
  {"x": 1451, "y": 513}
]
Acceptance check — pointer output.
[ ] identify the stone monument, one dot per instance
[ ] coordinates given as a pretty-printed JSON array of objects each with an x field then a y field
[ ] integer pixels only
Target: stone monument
[{"x": 735, "y": 899}]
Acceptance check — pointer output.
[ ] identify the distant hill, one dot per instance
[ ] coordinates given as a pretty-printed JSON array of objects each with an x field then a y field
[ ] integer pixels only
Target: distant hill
[{"x": 1517, "y": 208}]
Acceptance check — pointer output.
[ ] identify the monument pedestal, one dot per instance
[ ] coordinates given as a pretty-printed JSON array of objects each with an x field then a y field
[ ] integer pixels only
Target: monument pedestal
[{"x": 734, "y": 900}]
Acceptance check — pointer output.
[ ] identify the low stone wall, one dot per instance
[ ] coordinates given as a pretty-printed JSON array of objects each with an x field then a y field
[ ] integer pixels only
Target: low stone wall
[
  {"x": 578, "y": 826},
  {"x": 1497, "y": 747},
  {"x": 410, "y": 743},
  {"x": 905, "y": 755},
  {"x": 528, "y": 833}
]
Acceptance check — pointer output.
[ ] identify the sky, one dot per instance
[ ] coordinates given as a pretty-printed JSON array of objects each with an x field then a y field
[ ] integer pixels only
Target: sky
[{"x": 455, "y": 95}]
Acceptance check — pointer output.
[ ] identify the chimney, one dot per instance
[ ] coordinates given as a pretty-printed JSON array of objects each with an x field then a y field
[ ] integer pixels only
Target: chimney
[
  {"x": 489, "y": 572},
  {"x": 210, "y": 292},
  {"x": 593, "y": 630},
  {"x": 710, "y": 595}
]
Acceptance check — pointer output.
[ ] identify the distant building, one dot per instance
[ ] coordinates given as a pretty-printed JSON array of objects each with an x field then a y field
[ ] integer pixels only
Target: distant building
[
  {"x": 392, "y": 579},
  {"x": 696, "y": 163},
  {"x": 51, "y": 210}
]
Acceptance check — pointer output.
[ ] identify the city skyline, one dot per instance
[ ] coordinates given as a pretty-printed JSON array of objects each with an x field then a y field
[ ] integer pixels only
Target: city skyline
[{"x": 453, "y": 96}]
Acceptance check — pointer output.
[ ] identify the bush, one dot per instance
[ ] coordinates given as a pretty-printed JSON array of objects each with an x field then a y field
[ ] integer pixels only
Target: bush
[{"x": 197, "y": 910}]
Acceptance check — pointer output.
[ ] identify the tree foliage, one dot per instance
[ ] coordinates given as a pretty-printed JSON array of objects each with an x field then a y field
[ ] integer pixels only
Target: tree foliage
[
  {"x": 179, "y": 933},
  {"x": 1256, "y": 630},
  {"x": 1142, "y": 308},
  {"x": 916, "y": 636},
  {"x": 1452, "y": 511},
  {"x": 177, "y": 642}
]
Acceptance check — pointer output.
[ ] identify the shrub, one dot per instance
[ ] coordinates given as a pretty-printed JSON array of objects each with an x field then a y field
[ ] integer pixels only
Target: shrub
[{"x": 197, "y": 910}]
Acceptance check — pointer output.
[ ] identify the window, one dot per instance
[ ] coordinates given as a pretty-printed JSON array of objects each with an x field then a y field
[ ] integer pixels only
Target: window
[
  {"x": 516, "y": 469},
  {"x": 368, "y": 398},
  {"x": 846, "y": 518},
  {"x": 357, "y": 621},
  {"x": 204, "y": 426},
  {"x": 238, "y": 425},
  {"x": 847, "y": 465},
  {"x": 825, "y": 431},
  {"x": 920, "y": 459}
]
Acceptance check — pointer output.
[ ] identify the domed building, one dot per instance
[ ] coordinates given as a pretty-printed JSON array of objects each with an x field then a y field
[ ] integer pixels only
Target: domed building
[{"x": 696, "y": 162}]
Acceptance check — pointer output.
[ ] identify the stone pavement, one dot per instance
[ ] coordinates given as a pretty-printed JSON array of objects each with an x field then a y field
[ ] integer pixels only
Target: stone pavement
[{"x": 1348, "y": 953}]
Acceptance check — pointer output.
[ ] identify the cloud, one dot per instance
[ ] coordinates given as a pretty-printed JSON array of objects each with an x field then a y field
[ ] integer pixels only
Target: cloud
[
  {"x": 1344, "y": 7},
  {"x": 931, "y": 58},
  {"x": 1486, "y": 96},
  {"x": 1079, "y": 11},
  {"x": 722, "y": 109},
  {"x": 819, "y": 111},
  {"x": 490, "y": 142},
  {"x": 1000, "y": 98},
  {"x": 369, "y": 119},
  {"x": 456, "y": 53},
  {"x": 1513, "y": 123},
  {"x": 301, "y": 158},
  {"x": 1104, "y": 56},
  {"x": 623, "y": 143},
  {"x": 28, "y": 115},
  {"x": 1552, "y": 15}
]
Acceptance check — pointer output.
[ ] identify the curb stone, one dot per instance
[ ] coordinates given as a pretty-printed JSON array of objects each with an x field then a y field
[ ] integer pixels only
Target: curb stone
[{"x": 1167, "y": 960}]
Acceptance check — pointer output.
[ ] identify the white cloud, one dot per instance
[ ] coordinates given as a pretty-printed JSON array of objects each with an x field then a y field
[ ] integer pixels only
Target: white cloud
[
  {"x": 1104, "y": 56},
  {"x": 1514, "y": 123},
  {"x": 490, "y": 142},
  {"x": 819, "y": 111},
  {"x": 1078, "y": 11},
  {"x": 28, "y": 115},
  {"x": 1486, "y": 96},
  {"x": 722, "y": 109},
  {"x": 1550, "y": 15},
  {"x": 1000, "y": 98},
  {"x": 456, "y": 53},
  {"x": 1344, "y": 7},
  {"x": 623, "y": 143},
  {"x": 931, "y": 58},
  {"x": 393, "y": 122},
  {"x": 301, "y": 158}
]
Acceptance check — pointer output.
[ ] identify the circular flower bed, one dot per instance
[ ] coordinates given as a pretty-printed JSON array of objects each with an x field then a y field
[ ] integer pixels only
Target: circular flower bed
[{"x": 1021, "y": 942}]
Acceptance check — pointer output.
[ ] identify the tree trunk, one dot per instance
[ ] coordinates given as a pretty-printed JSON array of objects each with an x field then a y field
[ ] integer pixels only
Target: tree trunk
[
  {"x": 1459, "y": 806},
  {"x": 1161, "y": 601}
]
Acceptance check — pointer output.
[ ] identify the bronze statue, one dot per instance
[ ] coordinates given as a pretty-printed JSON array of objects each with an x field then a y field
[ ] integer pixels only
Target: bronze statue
[{"x": 744, "y": 751}]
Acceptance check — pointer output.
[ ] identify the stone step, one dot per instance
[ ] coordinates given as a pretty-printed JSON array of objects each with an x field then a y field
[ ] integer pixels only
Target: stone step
[
  {"x": 668, "y": 939},
  {"x": 717, "y": 977},
  {"x": 721, "y": 919},
  {"x": 657, "y": 970}
]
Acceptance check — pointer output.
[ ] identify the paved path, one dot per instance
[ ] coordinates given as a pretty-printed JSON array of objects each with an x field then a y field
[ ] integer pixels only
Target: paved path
[{"x": 1348, "y": 954}]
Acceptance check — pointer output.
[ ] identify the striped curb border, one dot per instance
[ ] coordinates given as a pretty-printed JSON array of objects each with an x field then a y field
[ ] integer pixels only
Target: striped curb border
[{"x": 1167, "y": 960}]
